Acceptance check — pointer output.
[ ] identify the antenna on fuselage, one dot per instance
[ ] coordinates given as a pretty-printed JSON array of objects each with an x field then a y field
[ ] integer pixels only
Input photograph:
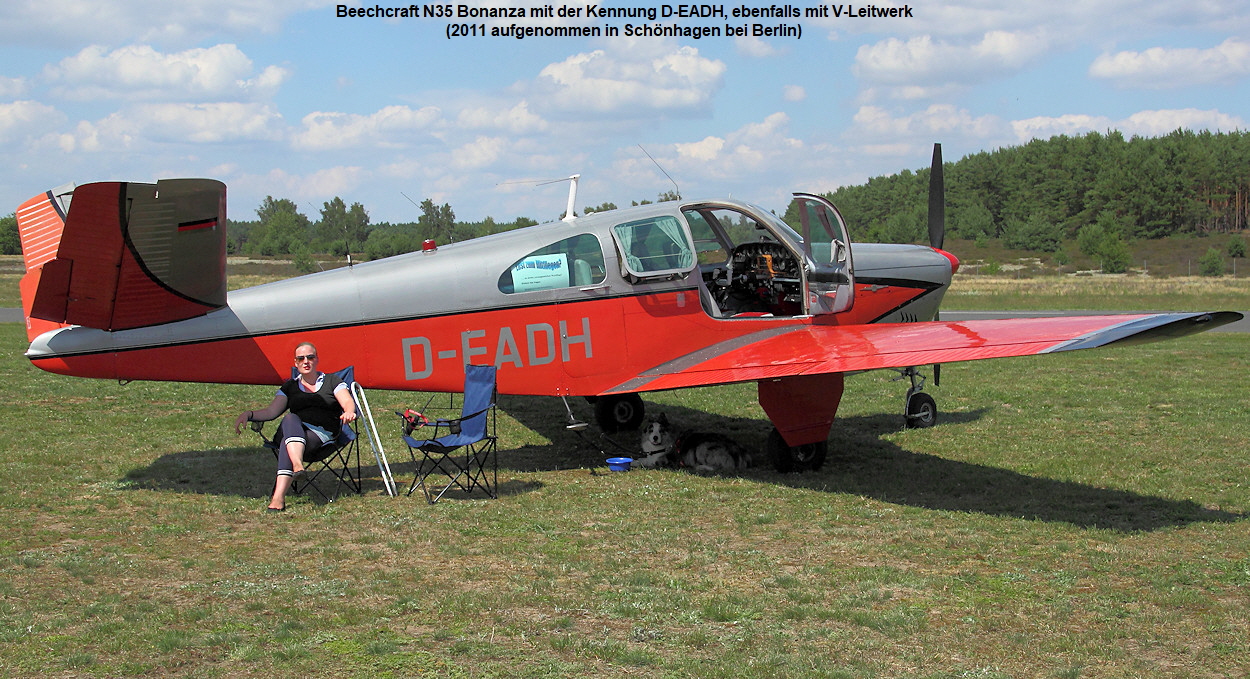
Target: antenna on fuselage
[
  {"x": 676, "y": 189},
  {"x": 569, "y": 214}
]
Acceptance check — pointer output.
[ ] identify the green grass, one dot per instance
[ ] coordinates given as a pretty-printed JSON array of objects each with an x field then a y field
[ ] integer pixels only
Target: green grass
[{"x": 1075, "y": 515}]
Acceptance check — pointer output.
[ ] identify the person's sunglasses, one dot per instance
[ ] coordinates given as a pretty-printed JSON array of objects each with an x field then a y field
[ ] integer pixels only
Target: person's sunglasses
[{"x": 309, "y": 357}]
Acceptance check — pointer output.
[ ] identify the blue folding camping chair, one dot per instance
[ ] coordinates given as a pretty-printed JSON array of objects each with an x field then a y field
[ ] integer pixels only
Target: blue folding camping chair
[
  {"x": 337, "y": 457},
  {"x": 461, "y": 449}
]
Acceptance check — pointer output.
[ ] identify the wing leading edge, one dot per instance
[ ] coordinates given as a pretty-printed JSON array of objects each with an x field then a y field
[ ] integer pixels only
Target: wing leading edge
[{"x": 817, "y": 349}]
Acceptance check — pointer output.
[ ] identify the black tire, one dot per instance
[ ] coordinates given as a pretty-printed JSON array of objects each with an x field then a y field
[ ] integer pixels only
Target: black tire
[
  {"x": 921, "y": 411},
  {"x": 619, "y": 412},
  {"x": 786, "y": 459}
]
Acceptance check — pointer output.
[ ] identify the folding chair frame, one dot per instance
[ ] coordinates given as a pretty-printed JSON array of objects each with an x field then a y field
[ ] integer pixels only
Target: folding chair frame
[
  {"x": 469, "y": 466},
  {"x": 338, "y": 461}
]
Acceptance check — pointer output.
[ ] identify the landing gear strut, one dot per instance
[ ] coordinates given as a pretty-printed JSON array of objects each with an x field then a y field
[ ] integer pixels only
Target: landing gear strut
[{"x": 920, "y": 410}]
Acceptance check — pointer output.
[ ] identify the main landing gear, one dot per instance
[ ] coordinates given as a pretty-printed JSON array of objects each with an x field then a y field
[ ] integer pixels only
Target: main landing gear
[
  {"x": 919, "y": 410},
  {"x": 618, "y": 412},
  {"x": 787, "y": 458}
]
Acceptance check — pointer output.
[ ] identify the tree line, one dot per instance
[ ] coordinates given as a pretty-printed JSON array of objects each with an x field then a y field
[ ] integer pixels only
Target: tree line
[
  {"x": 281, "y": 229},
  {"x": 1047, "y": 191}
]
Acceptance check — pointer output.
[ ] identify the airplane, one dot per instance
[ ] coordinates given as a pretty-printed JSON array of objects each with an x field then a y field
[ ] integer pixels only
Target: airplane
[{"x": 127, "y": 281}]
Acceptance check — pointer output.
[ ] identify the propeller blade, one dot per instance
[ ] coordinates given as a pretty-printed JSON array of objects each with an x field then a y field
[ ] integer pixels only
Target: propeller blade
[
  {"x": 937, "y": 200},
  {"x": 937, "y": 224}
]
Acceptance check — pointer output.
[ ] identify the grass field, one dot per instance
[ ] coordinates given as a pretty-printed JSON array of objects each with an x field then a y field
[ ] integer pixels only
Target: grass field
[{"x": 1076, "y": 515}]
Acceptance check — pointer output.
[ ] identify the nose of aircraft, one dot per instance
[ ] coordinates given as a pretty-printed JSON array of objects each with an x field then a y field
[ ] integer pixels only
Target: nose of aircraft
[{"x": 953, "y": 259}]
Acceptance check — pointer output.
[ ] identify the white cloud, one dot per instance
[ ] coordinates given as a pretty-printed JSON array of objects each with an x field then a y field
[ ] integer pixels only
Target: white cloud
[
  {"x": 392, "y": 126},
  {"x": 479, "y": 153},
  {"x": 209, "y": 123},
  {"x": 1143, "y": 123},
  {"x": 1155, "y": 123},
  {"x": 793, "y": 93},
  {"x": 754, "y": 47},
  {"x": 516, "y": 120},
  {"x": 141, "y": 72},
  {"x": 73, "y": 23},
  {"x": 921, "y": 67},
  {"x": 12, "y": 87},
  {"x": 1163, "y": 68},
  {"x": 876, "y": 125},
  {"x": 315, "y": 186},
  {"x": 26, "y": 119},
  {"x": 704, "y": 150},
  {"x": 630, "y": 83},
  {"x": 175, "y": 124},
  {"x": 1044, "y": 127},
  {"x": 753, "y": 149}
]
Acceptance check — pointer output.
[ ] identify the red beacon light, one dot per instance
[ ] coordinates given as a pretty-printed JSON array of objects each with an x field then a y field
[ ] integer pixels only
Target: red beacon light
[{"x": 429, "y": 246}]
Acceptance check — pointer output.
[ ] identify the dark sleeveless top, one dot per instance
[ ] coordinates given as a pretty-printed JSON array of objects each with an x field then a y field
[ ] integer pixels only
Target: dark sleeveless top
[{"x": 318, "y": 407}]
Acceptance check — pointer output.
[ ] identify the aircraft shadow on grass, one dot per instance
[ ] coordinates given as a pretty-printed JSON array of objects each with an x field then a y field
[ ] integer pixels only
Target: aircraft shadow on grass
[{"x": 860, "y": 462}]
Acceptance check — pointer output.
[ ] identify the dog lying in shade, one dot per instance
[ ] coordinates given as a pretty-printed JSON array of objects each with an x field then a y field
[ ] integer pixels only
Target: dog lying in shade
[{"x": 701, "y": 451}]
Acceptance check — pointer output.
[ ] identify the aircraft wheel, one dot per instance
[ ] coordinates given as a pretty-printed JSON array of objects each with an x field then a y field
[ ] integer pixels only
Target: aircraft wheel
[
  {"x": 921, "y": 411},
  {"x": 619, "y": 412},
  {"x": 788, "y": 458}
]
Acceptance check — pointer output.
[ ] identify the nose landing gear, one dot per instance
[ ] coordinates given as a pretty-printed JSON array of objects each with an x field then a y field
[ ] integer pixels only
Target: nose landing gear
[{"x": 919, "y": 410}]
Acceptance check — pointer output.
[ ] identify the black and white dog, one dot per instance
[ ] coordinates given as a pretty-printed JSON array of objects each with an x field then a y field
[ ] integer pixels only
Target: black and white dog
[{"x": 702, "y": 451}]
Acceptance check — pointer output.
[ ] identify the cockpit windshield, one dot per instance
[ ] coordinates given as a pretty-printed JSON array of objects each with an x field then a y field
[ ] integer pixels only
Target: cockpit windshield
[{"x": 780, "y": 226}]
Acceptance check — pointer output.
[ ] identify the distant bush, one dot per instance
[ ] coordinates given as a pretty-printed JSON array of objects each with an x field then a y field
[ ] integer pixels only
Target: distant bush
[
  {"x": 10, "y": 244},
  {"x": 303, "y": 260},
  {"x": 1036, "y": 234},
  {"x": 1212, "y": 263},
  {"x": 1102, "y": 241},
  {"x": 1237, "y": 247}
]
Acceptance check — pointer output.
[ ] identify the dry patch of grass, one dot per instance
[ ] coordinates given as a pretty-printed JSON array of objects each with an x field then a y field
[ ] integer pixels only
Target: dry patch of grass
[{"x": 1100, "y": 292}]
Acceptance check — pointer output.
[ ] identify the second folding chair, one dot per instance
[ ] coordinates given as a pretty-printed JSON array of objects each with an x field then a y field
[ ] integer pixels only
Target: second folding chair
[{"x": 460, "y": 450}]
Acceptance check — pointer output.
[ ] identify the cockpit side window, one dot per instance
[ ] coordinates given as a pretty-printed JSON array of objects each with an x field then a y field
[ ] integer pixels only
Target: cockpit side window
[
  {"x": 569, "y": 263},
  {"x": 656, "y": 246},
  {"x": 706, "y": 243}
]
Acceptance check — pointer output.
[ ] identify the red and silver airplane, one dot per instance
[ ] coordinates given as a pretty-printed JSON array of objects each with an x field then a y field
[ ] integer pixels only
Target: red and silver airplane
[{"x": 127, "y": 281}]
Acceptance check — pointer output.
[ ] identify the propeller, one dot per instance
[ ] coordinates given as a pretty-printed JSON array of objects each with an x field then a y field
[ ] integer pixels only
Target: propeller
[
  {"x": 937, "y": 200},
  {"x": 937, "y": 224}
]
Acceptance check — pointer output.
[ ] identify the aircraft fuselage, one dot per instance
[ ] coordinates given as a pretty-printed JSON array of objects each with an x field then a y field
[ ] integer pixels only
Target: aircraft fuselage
[{"x": 569, "y": 308}]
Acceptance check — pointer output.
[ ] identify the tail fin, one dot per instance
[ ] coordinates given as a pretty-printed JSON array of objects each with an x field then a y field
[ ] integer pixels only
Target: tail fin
[
  {"x": 117, "y": 255},
  {"x": 40, "y": 223}
]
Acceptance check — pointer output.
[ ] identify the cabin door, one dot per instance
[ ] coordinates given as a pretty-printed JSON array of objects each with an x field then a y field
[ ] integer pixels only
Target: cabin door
[{"x": 830, "y": 274}]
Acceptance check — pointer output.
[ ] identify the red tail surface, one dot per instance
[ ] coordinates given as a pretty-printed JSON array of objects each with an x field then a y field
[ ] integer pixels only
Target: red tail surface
[{"x": 116, "y": 255}]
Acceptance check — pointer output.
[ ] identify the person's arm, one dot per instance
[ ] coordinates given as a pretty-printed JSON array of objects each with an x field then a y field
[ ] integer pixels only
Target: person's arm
[
  {"x": 343, "y": 395},
  {"x": 269, "y": 412}
]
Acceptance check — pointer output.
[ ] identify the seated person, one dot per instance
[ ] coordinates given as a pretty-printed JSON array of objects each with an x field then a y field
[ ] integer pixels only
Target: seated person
[{"x": 319, "y": 406}]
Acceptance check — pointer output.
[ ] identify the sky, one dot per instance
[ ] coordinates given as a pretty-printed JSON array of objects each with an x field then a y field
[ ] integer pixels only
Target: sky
[{"x": 286, "y": 98}]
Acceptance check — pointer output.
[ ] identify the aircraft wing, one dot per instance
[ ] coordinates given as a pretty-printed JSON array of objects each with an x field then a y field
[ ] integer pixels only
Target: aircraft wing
[{"x": 816, "y": 349}]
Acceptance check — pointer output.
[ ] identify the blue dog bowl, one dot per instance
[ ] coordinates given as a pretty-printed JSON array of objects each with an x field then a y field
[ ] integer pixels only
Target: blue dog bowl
[{"x": 619, "y": 464}]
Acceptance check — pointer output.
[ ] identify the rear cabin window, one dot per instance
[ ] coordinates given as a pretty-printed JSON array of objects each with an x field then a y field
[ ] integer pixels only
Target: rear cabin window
[
  {"x": 569, "y": 263},
  {"x": 655, "y": 246}
]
